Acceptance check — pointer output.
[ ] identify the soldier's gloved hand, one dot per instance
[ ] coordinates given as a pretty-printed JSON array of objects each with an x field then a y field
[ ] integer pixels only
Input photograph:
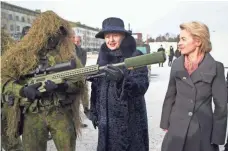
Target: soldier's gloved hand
[
  {"x": 95, "y": 122},
  {"x": 93, "y": 118},
  {"x": 93, "y": 78},
  {"x": 11, "y": 99},
  {"x": 63, "y": 87},
  {"x": 113, "y": 73},
  {"x": 50, "y": 86},
  {"x": 31, "y": 92}
]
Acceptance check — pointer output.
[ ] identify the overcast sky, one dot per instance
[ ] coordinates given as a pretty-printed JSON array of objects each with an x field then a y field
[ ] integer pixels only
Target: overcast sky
[{"x": 146, "y": 16}]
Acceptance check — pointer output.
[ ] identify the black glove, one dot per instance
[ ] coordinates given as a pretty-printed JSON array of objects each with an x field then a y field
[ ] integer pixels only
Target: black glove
[
  {"x": 31, "y": 91},
  {"x": 93, "y": 78},
  {"x": 93, "y": 118},
  {"x": 62, "y": 87},
  {"x": 50, "y": 86},
  {"x": 95, "y": 122},
  {"x": 113, "y": 73},
  {"x": 11, "y": 99}
]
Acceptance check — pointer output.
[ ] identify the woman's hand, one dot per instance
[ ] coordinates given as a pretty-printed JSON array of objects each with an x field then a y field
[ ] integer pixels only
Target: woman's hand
[{"x": 165, "y": 130}]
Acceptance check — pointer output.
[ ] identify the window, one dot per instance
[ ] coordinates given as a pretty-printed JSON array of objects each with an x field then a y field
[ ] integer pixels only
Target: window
[
  {"x": 22, "y": 19},
  {"x": 17, "y": 18},
  {"x": 10, "y": 17},
  {"x": 3, "y": 15},
  {"x": 4, "y": 26},
  {"x": 11, "y": 28},
  {"x": 18, "y": 28},
  {"x": 29, "y": 20}
]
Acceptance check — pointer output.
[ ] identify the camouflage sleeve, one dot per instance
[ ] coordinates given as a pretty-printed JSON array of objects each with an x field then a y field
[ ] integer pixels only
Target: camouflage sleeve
[
  {"x": 10, "y": 87},
  {"x": 73, "y": 87},
  {"x": 85, "y": 97}
]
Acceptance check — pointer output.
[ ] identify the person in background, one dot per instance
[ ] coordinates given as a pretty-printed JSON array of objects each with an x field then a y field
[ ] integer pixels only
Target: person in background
[
  {"x": 25, "y": 31},
  {"x": 81, "y": 54},
  {"x": 118, "y": 105},
  {"x": 171, "y": 54},
  {"x": 159, "y": 50},
  {"x": 177, "y": 53},
  {"x": 196, "y": 79}
]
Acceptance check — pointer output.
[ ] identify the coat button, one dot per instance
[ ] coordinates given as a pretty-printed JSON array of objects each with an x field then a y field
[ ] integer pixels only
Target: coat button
[
  {"x": 190, "y": 113},
  {"x": 191, "y": 101}
]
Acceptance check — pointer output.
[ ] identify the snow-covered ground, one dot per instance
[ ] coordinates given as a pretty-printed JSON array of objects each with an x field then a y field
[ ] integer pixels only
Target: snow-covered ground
[{"x": 154, "y": 99}]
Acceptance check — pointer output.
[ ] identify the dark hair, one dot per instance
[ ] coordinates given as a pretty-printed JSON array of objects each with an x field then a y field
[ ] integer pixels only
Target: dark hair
[{"x": 24, "y": 30}]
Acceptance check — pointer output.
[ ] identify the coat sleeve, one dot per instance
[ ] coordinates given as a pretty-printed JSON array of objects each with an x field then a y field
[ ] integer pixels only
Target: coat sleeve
[
  {"x": 93, "y": 99},
  {"x": 219, "y": 94},
  {"x": 168, "y": 101},
  {"x": 135, "y": 83}
]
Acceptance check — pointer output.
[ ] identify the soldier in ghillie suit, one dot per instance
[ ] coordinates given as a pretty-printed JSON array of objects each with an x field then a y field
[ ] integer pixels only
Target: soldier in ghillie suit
[
  {"x": 56, "y": 110},
  {"x": 6, "y": 40},
  {"x": 15, "y": 144}
]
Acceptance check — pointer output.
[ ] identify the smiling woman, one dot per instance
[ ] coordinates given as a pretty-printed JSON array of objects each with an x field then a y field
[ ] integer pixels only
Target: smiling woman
[
  {"x": 113, "y": 40},
  {"x": 195, "y": 79},
  {"x": 118, "y": 106}
]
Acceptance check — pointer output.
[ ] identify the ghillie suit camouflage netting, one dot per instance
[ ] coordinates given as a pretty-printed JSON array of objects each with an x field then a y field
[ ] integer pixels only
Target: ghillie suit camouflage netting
[
  {"x": 6, "y": 41},
  {"x": 22, "y": 58}
]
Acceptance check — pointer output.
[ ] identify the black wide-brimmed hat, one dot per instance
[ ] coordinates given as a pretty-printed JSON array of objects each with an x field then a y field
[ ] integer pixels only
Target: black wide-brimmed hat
[{"x": 110, "y": 25}]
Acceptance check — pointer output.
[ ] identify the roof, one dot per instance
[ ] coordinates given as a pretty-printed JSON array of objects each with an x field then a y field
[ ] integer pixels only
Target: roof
[
  {"x": 16, "y": 8},
  {"x": 78, "y": 24}
]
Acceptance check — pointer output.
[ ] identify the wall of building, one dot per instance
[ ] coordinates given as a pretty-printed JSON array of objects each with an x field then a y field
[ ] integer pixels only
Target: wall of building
[
  {"x": 87, "y": 35},
  {"x": 14, "y": 18}
]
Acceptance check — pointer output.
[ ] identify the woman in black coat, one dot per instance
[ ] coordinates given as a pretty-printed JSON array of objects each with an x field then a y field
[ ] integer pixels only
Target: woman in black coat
[
  {"x": 195, "y": 79},
  {"x": 118, "y": 106}
]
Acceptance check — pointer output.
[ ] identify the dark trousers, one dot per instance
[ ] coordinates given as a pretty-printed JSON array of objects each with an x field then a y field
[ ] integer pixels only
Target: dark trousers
[
  {"x": 226, "y": 145},
  {"x": 170, "y": 63}
]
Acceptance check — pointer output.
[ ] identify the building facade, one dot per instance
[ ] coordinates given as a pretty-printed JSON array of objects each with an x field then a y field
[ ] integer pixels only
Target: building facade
[
  {"x": 87, "y": 34},
  {"x": 14, "y": 18}
]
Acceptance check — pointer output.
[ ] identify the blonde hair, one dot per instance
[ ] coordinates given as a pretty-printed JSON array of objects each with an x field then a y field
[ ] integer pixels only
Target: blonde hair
[{"x": 201, "y": 31}]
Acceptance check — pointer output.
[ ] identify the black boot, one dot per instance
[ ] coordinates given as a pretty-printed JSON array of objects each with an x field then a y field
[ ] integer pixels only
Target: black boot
[{"x": 226, "y": 146}]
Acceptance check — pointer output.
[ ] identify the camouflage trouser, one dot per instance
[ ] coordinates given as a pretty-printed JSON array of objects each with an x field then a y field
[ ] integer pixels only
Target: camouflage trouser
[
  {"x": 85, "y": 97},
  {"x": 57, "y": 121},
  {"x": 15, "y": 145}
]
